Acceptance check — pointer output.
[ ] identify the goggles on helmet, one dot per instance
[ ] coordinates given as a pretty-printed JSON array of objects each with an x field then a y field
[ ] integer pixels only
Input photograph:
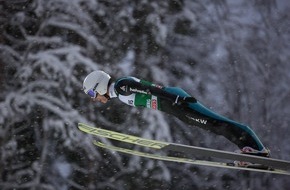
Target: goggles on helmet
[{"x": 92, "y": 93}]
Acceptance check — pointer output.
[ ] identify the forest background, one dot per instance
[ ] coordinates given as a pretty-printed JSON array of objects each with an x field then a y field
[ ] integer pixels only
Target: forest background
[{"x": 232, "y": 55}]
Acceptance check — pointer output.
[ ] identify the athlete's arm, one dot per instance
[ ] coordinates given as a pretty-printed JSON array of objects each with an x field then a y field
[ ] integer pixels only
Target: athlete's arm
[{"x": 129, "y": 85}]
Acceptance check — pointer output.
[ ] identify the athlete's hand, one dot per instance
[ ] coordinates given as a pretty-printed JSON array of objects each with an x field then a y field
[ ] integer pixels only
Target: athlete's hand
[{"x": 183, "y": 100}]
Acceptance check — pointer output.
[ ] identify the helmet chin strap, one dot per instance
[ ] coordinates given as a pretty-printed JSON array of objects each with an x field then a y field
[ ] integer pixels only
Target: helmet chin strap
[{"x": 107, "y": 96}]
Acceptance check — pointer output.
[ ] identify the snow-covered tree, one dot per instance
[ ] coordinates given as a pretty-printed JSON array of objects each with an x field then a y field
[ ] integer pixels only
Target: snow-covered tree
[{"x": 231, "y": 55}]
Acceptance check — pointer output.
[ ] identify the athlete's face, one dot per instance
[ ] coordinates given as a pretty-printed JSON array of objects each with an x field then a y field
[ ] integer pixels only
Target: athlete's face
[{"x": 100, "y": 98}]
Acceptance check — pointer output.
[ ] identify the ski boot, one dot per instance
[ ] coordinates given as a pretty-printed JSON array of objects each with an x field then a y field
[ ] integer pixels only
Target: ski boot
[{"x": 249, "y": 150}]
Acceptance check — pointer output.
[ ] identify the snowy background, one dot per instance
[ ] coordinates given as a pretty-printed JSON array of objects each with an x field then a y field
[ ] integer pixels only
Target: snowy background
[{"x": 232, "y": 55}]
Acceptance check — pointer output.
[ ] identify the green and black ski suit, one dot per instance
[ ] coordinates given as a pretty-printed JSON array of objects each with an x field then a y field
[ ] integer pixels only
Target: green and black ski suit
[{"x": 177, "y": 102}]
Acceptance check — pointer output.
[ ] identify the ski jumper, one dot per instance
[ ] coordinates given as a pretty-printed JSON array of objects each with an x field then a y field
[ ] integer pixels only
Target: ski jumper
[{"x": 141, "y": 93}]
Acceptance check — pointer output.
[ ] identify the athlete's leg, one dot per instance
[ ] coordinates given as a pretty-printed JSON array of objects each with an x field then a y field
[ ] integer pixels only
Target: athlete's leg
[{"x": 198, "y": 115}]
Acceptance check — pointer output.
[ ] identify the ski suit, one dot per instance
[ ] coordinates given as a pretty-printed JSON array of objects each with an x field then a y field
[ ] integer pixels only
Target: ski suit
[{"x": 141, "y": 93}]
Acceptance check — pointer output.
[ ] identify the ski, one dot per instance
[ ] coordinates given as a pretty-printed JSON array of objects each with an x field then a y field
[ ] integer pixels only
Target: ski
[
  {"x": 197, "y": 151},
  {"x": 189, "y": 161}
]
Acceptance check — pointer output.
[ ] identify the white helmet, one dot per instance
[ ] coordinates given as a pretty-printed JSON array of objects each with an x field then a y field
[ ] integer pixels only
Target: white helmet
[{"x": 96, "y": 83}]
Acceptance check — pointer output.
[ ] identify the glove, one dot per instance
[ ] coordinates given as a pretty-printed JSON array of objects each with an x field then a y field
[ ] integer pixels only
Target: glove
[{"x": 184, "y": 100}]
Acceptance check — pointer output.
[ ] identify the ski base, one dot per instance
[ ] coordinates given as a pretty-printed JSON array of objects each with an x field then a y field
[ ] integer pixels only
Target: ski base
[
  {"x": 260, "y": 164},
  {"x": 264, "y": 169}
]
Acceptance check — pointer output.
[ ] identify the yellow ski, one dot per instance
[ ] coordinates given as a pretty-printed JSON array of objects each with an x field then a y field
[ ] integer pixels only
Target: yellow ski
[
  {"x": 281, "y": 166},
  {"x": 186, "y": 160}
]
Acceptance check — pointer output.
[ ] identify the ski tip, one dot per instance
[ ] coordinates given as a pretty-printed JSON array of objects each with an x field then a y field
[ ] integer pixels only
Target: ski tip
[
  {"x": 85, "y": 127},
  {"x": 82, "y": 126}
]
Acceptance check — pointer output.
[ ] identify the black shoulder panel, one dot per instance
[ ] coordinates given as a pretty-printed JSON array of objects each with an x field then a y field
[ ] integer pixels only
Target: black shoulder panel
[{"x": 122, "y": 86}]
